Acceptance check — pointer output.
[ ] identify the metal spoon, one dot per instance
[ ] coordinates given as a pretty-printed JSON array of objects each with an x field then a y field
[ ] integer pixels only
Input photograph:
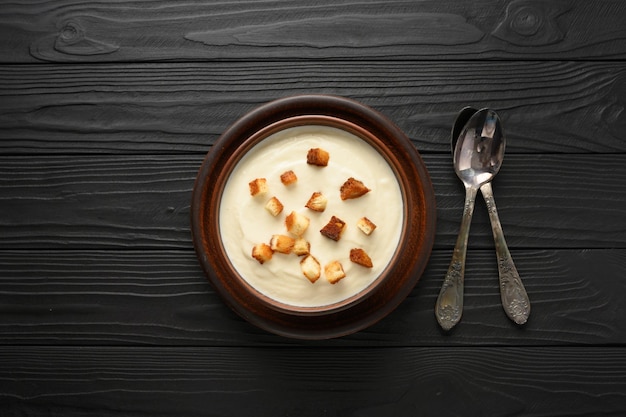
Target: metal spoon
[
  {"x": 471, "y": 170},
  {"x": 514, "y": 297},
  {"x": 512, "y": 292}
]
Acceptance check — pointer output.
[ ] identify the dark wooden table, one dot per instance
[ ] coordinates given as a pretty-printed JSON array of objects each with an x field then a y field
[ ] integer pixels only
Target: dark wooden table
[{"x": 108, "y": 108}]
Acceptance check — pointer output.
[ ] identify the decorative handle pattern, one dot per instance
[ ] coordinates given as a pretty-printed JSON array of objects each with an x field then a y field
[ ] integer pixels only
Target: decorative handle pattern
[
  {"x": 512, "y": 292},
  {"x": 449, "y": 306}
]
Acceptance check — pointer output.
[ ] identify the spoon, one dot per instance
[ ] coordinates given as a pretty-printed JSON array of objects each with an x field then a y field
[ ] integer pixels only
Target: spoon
[
  {"x": 512, "y": 292},
  {"x": 489, "y": 141},
  {"x": 471, "y": 170}
]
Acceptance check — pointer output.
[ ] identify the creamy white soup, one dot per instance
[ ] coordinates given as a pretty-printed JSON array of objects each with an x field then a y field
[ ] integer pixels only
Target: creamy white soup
[{"x": 244, "y": 221}]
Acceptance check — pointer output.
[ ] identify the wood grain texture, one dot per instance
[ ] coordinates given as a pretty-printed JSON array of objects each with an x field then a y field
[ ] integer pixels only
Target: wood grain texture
[
  {"x": 72, "y": 202},
  {"x": 69, "y": 31},
  {"x": 162, "y": 298},
  {"x": 81, "y": 201},
  {"x": 543, "y": 201},
  {"x": 110, "y": 382},
  {"x": 554, "y": 106},
  {"x": 104, "y": 309}
]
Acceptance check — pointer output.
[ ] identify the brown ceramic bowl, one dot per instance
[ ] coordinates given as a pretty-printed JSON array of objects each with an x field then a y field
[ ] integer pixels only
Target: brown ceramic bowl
[{"x": 359, "y": 310}]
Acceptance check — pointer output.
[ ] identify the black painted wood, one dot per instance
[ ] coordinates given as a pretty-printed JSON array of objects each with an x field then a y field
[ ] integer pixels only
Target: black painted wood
[
  {"x": 107, "y": 109},
  {"x": 545, "y": 201},
  {"x": 109, "y": 381},
  {"x": 546, "y": 106},
  {"x": 161, "y": 298},
  {"x": 68, "y": 31}
]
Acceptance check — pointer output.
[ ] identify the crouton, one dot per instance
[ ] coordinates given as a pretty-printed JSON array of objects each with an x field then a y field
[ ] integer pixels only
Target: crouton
[
  {"x": 317, "y": 156},
  {"x": 311, "y": 268},
  {"x": 274, "y": 206},
  {"x": 334, "y": 272},
  {"x": 282, "y": 243},
  {"x": 333, "y": 228},
  {"x": 352, "y": 188},
  {"x": 262, "y": 253},
  {"x": 297, "y": 223},
  {"x": 359, "y": 256},
  {"x": 288, "y": 177},
  {"x": 317, "y": 202},
  {"x": 365, "y": 225},
  {"x": 258, "y": 186},
  {"x": 301, "y": 247}
]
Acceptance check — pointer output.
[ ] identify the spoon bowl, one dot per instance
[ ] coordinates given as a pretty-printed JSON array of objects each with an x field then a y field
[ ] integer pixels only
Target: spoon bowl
[
  {"x": 461, "y": 120},
  {"x": 479, "y": 149}
]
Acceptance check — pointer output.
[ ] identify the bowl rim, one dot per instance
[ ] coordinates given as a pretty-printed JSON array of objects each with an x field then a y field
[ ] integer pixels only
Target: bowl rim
[{"x": 394, "y": 283}]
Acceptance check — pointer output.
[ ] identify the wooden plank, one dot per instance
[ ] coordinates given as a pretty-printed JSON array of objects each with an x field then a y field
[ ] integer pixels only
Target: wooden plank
[
  {"x": 545, "y": 201},
  {"x": 45, "y": 381},
  {"x": 554, "y": 106},
  {"x": 77, "y": 202},
  {"x": 163, "y": 298},
  {"x": 70, "y": 31}
]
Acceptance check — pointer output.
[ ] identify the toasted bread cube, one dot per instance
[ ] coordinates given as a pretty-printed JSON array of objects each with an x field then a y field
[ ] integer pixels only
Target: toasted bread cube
[
  {"x": 311, "y": 268},
  {"x": 359, "y": 256},
  {"x": 352, "y": 188},
  {"x": 365, "y": 225},
  {"x": 274, "y": 206},
  {"x": 262, "y": 252},
  {"x": 334, "y": 272},
  {"x": 258, "y": 186},
  {"x": 317, "y": 202},
  {"x": 297, "y": 223},
  {"x": 288, "y": 177},
  {"x": 301, "y": 247},
  {"x": 317, "y": 156},
  {"x": 333, "y": 228},
  {"x": 282, "y": 243}
]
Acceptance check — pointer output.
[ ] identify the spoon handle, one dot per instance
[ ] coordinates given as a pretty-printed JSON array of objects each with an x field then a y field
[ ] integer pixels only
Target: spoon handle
[
  {"x": 514, "y": 297},
  {"x": 449, "y": 306}
]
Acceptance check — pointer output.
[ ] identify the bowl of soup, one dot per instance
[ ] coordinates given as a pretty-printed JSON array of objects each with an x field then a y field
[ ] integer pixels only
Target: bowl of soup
[{"x": 313, "y": 216}]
